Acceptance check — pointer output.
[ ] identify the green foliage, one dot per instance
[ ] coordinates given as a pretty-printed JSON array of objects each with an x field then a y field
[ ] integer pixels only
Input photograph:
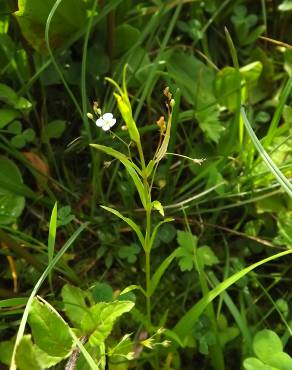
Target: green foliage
[
  {"x": 233, "y": 202},
  {"x": 11, "y": 203},
  {"x": 100, "y": 318},
  {"x": 32, "y": 16},
  {"x": 50, "y": 332},
  {"x": 268, "y": 348}
]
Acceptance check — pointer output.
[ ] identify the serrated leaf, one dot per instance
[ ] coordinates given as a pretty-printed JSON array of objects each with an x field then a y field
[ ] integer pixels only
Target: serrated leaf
[
  {"x": 186, "y": 240},
  {"x": 74, "y": 303},
  {"x": 29, "y": 356},
  {"x": 99, "y": 320},
  {"x": 26, "y": 356},
  {"x": 206, "y": 256},
  {"x": 50, "y": 331},
  {"x": 185, "y": 253}
]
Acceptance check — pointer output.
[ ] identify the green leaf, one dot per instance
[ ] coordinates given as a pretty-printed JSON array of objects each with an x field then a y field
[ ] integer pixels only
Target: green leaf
[
  {"x": 7, "y": 115},
  {"x": 12, "y": 302},
  {"x": 30, "y": 356},
  {"x": 280, "y": 360},
  {"x": 125, "y": 37},
  {"x": 284, "y": 222},
  {"x": 22, "y": 104},
  {"x": 206, "y": 256},
  {"x": 129, "y": 252},
  {"x": 11, "y": 204},
  {"x": 282, "y": 180},
  {"x": 186, "y": 240},
  {"x": 69, "y": 17},
  {"x": 102, "y": 292},
  {"x": 185, "y": 253},
  {"x": 37, "y": 286},
  {"x": 52, "y": 232},
  {"x": 26, "y": 356},
  {"x": 167, "y": 232},
  {"x": 6, "y": 349},
  {"x": 55, "y": 129},
  {"x": 253, "y": 363},
  {"x": 265, "y": 343},
  {"x": 132, "y": 169},
  {"x": 28, "y": 135},
  {"x": 285, "y": 6},
  {"x": 7, "y": 95},
  {"x": 18, "y": 141},
  {"x": 99, "y": 320},
  {"x": 74, "y": 303},
  {"x": 227, "y": 84},
  {"x": 186, "y": 323},
  {"x": 209, "y": 123},
  {"x": 131, "y": 223},
  {"x": 155, "y": 231},
  {"x": 50, "y": 332},
  {"x": 15, "y": 127},
  {"x": 161, "y": 270}
]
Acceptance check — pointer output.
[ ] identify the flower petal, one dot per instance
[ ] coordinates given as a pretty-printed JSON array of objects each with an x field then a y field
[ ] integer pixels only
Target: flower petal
[
  {"x": 100, "y": 122},
  {"x": 107, "y": 116},
  {"x": 106, "y": 127},
  {"x": 112, "y": 122}
]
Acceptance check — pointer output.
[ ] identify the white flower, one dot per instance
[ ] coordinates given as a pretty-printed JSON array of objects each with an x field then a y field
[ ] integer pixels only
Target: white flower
[{"x": 106, "y": 121}]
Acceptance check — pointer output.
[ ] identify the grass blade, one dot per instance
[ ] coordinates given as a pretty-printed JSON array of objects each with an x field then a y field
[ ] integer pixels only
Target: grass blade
[
  {"x": 52, "y": 238},
  {"x": 283, "y": 181},
  {"x": 186, "y": 323},
  {"x": 39, "y": 283},
  {"x": 131, "y": 223}
]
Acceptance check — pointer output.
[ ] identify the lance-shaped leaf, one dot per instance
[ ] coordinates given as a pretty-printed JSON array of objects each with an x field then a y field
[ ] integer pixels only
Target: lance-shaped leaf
[
  {"x": 130, "y": 167},
  {"x": 99, "y": 320},
  {"x": 131, "y": 223}
]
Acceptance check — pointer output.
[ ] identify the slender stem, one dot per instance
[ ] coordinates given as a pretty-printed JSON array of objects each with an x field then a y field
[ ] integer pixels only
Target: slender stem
[
  {"x": 142, "y": 159},
  {"x": 147, "y": 235},
  {"x": 148, "y": 265}
]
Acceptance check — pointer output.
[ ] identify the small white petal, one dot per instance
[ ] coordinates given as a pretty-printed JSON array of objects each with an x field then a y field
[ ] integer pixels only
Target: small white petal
[
  {"x": 112, "y": 122},
  {"x": 106, "y": 127},
  {"x": 100, "y": 122},
  {"x": 107, "y": 116}
]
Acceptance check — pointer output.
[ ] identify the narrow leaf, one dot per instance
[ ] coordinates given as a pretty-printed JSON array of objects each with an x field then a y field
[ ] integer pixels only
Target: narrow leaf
[
  {"x": 37, "y": 286},
  {"x": 161, "y": 270},
  {"x": 283, "y": 181},
  {"x": 132, "y": 169},
  {"x": 52, "y": 235},
  {"x": 186, "y": 323},
  {"x": 131, "y": 223}
]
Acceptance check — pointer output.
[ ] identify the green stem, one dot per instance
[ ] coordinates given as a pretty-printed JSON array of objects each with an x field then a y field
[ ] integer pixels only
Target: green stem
[
  {"x": 147, "y": 246},
  {"x": 216, "y": 353}
]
